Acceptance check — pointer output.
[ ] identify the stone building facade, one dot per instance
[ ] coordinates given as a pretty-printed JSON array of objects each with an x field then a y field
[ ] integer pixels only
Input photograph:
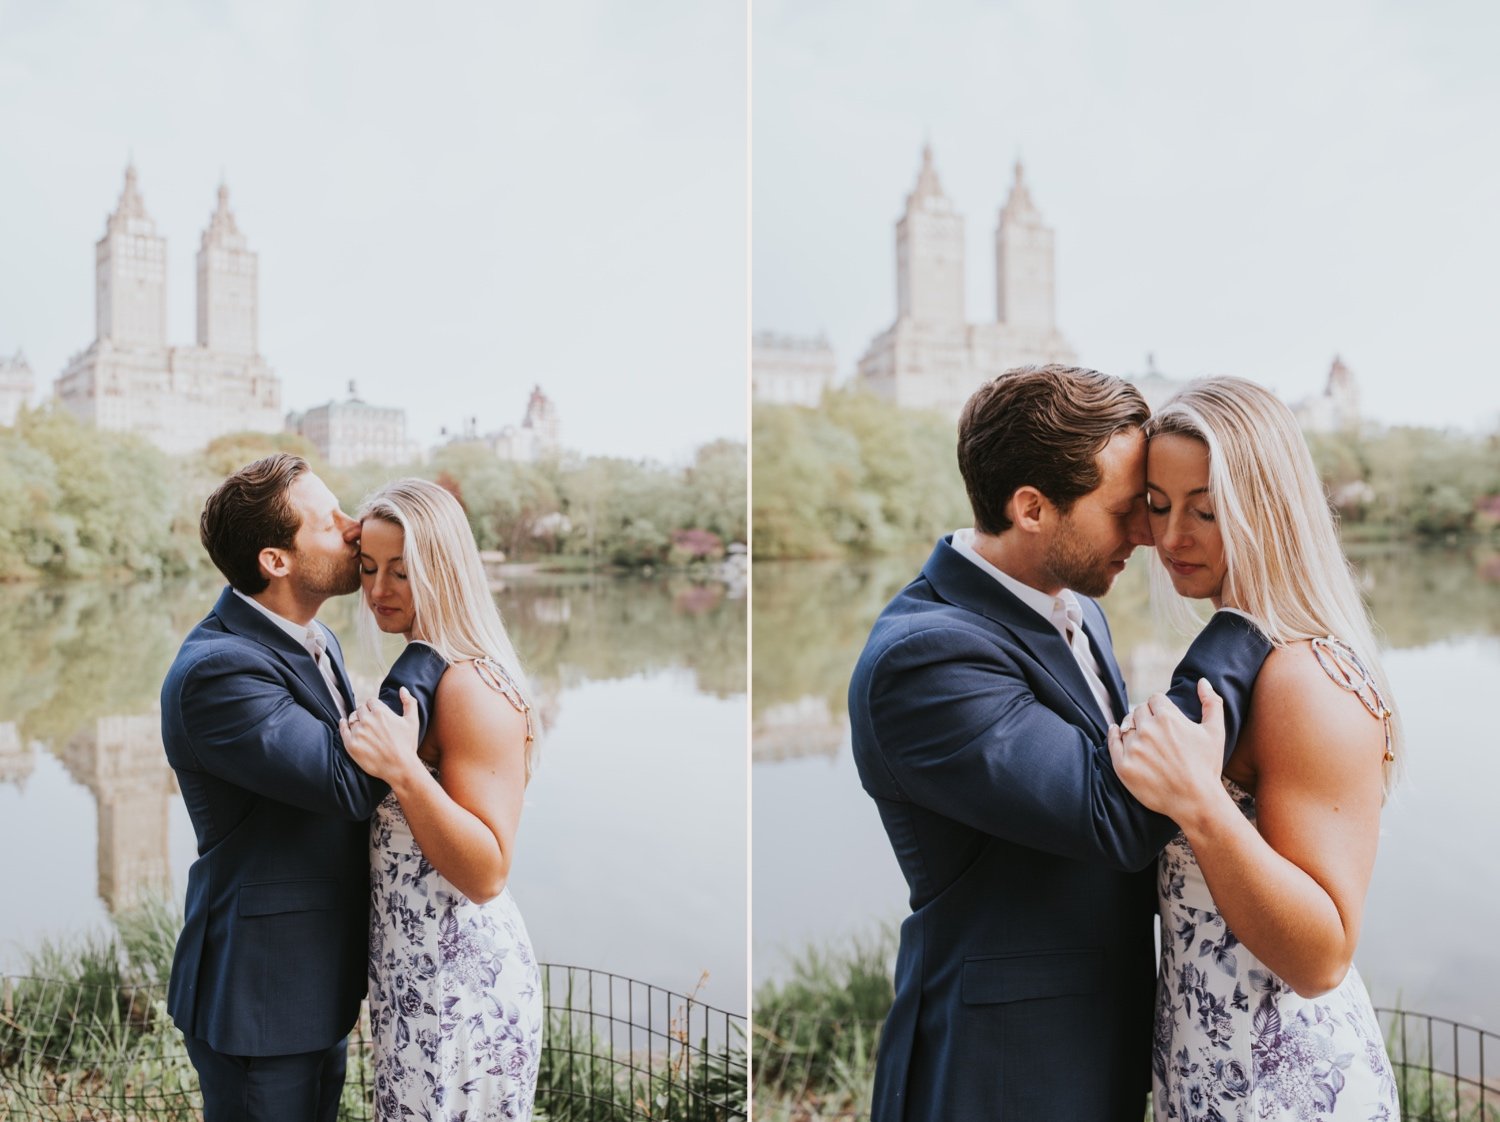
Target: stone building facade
[
  {"x": 790, "y": 369},
  {"x": 352, "y": 432},
  {"x": 16, "y": 385},
  {"x": 1336, "y": 409},
  {"x": 538, "y": 437},
  {"x": 931, "y": 357},
  {"x": 130, "y": 379}
]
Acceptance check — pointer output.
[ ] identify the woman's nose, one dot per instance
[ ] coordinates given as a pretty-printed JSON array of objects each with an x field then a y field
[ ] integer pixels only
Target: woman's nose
[{"x": 1177, "y": 535}]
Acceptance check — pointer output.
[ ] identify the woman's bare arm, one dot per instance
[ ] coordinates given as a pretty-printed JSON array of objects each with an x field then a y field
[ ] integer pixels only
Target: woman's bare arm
[
  {"x": 466, "y": 822},
  {"x": 1293, "y": 890}
]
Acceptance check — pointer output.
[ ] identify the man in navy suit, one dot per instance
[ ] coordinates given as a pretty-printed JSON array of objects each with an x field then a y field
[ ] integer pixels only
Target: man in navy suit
[
  {"x": 980, "y": 710},
  {"x": 270, "y": 967}
]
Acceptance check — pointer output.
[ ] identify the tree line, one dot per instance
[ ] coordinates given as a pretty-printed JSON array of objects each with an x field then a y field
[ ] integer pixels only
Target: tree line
[
  {"x": 76, "y": 501},
  {"x": 861, "y": 477}
]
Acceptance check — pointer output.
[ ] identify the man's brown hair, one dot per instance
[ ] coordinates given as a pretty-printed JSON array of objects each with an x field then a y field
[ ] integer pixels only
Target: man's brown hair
[
  {"x": 1040, "y": 426},
  {"x": 251, "y": 511}
]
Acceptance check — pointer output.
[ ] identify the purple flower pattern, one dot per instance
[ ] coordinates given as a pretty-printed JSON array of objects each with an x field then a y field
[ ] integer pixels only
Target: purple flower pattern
[
  {"x": 455, "y": 992},
  {"x": 1234, "y": 1043}
]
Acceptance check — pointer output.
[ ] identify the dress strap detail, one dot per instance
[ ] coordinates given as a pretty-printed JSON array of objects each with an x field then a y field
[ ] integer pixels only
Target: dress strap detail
[
  {"x": 493, "y": 675},
  {"x": 1340, "y": 663}
]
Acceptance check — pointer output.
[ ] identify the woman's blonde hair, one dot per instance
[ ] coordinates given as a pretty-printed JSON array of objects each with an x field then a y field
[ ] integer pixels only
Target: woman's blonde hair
[
  {"x": 453, "y": 608},
  {"x": 1285, "y": 567}
]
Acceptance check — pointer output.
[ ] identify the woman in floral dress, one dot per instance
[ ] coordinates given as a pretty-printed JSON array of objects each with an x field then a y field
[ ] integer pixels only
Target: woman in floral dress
[
  {"x": 455, "y": 992},
  {"x": 1260, "y": 1012}
]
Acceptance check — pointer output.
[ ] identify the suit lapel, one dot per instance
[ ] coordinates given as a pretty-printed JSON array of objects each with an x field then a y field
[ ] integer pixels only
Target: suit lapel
[
  {"x": 959, "y": 581},
  {"x": 1104, "y": 655},
  {"x": 336, "y": 652},
  {"x": 242, "y": 619}
]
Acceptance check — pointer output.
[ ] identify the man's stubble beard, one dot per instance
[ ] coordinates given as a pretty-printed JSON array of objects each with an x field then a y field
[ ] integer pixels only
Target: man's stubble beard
[
  {"x": 327, "y": 576},
  {"x": 1074, "y": 564}
]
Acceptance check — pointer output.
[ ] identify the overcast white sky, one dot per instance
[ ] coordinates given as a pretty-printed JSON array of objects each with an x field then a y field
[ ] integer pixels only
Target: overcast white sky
[
  {"x": 450, "y": 202},
  {"x": 1239, "y": 189}
]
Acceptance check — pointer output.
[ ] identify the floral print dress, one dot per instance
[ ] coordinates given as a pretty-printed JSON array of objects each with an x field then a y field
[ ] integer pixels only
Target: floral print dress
[
  {"x": 455, "y": 992},
  {"x": 1233, "y": 1042}
]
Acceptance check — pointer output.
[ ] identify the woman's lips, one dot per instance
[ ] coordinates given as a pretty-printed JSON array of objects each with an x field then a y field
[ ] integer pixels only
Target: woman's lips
[
  {"x": 386, "y": 611},
  {"x": 1183, "y": 568}
]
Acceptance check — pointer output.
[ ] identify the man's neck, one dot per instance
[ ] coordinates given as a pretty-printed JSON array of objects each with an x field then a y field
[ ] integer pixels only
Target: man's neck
[
  {"x": 1011, "y": 553},
  {"x": 275, "y": 597}
]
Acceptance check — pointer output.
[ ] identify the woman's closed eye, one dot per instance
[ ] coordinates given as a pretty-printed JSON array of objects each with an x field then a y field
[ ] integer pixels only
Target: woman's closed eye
[
  {"x": 373, "y": 569},
  {"x": 1166, "y": 508}
]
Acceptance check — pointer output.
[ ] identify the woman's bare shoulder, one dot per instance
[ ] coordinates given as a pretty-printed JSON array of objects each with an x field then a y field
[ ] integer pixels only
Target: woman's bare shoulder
[
  {"x": 1304, "y": 716},
  {"x": 466, "y": 701}
]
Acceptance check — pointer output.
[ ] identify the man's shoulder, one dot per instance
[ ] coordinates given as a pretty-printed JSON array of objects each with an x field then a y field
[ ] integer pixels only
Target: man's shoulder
[
  {"x": 918, "y": 613},
  {"x": 210, "y": 645}
]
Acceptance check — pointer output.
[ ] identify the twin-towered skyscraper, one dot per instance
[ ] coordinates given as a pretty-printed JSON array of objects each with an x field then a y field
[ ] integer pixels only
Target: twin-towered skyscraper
[
  {"x": 932, "y": 357},
  {"x": 130, "y": 379}
]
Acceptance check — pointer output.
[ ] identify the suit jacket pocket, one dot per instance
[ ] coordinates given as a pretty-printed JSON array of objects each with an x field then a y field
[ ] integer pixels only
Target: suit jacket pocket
[
  {"x": 995, "y": 979},
  {"x": 271, "y": 898}
]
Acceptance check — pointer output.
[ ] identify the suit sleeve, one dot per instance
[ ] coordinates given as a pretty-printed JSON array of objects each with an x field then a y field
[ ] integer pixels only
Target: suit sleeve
[
  {"x": 245, "y": 727},
  {"x": 962, "y": 733},
  {"x": 419, "y": 669}
]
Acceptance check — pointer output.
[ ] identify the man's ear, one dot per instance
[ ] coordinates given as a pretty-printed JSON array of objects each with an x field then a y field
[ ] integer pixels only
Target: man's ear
[
  {"x": 1026, "y": 509},
  {"x": 274, "y": 563}
]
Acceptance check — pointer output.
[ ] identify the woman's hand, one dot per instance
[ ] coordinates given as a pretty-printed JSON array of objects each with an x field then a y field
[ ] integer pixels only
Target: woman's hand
[
  {"x": 1170, "y": 764},
  {"x": 380, "y": 742}
]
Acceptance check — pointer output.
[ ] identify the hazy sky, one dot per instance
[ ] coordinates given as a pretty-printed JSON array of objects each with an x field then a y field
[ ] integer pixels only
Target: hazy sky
[
  {"x": 1238, "y": 189},
  {"x": 451, "y": 202}
]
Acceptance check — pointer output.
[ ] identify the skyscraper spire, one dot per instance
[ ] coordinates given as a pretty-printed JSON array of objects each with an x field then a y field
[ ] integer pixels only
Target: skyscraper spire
[
  {"x": 1019, "y": 204},
  {"x": 928, "y": 185},
  {"x": 222, "y": 228},
  {"x": 131, "y": 204},
  {"x": 227, "y": 297},
  {"x": 1024, "y": 262}
]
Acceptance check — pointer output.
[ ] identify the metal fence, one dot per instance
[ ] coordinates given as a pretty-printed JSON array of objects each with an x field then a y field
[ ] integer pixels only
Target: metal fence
[
  {"x": 816, "y": 1069},
  {"x": 615, "y": 1049}
]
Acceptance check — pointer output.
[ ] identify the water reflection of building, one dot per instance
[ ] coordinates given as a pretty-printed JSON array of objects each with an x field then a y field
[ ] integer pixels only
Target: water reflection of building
[
  {"x": 17, "y": 760},
  {"x": 553, "y": 611},
  {"x": 122, "y": 762},
  {"x": 795, "y": 729}
]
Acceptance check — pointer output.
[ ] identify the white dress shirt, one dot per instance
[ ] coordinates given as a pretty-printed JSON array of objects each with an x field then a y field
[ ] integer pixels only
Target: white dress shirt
[
  {"x": 314, "y": 639},
  {"x": 1062, "y": 611}
]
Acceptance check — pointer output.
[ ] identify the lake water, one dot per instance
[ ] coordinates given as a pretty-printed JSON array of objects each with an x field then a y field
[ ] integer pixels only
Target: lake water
[
  {"x": 631, "y": 854},
  {"x": 824, "y": 871}
]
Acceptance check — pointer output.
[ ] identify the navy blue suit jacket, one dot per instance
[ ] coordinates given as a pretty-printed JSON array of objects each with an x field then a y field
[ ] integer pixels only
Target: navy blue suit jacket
[
  {"x": 1025, "y": 975},
  {"x": 272, "y": 955}
]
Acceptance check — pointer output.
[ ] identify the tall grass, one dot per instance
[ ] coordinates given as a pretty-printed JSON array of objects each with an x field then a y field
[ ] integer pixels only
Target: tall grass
[
  {"x": 816, "y": 1034},
  {"x": 85, "y": 1035}
]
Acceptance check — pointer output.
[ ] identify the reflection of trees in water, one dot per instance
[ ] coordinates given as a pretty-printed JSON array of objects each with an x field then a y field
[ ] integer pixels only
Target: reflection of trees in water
[
  {"x": 1424, "y": 596},
  {"x": 83, "y": 665},
  {"x": 812, "y": 618},
  {"x": 76, "y": 653},
  {"x": 606, "y": 627}
]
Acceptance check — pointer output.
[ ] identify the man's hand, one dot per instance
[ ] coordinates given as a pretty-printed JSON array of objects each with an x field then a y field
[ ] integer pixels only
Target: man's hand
[
  {"x": 381, "y": 743},
  {"x": 1170, "y": 764}
]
